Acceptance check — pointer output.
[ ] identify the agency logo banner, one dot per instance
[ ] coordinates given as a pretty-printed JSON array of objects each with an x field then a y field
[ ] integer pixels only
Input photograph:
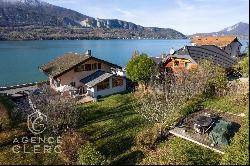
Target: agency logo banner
[
  {"x": 37, "y": 122},
  {"x": 38, "y": 142}
]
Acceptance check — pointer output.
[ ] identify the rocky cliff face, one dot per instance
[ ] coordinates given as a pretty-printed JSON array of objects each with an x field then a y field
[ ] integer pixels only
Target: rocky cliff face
[
  {"x": 38, "y": 13},
  {"x": 35, "y": 19}
]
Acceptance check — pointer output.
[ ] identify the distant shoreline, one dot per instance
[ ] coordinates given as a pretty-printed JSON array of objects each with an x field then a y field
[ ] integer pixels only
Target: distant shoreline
[
  {"x": 88, "y": 39},
  {"x": 65, "y": 33}
]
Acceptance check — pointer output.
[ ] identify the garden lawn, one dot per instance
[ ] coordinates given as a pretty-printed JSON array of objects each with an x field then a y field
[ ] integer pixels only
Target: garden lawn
[
  {"x": 232, "y": 104},
  {"x": 177, "y": 151},
  {"x": 238, "y": 152},
  {"x": 112, "y": 125}
]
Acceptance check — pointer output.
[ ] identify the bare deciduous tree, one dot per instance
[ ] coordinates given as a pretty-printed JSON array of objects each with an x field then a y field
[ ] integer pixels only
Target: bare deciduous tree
[
  {"x": 165, "y": 96},
  {"x": 61, "y": 111}
]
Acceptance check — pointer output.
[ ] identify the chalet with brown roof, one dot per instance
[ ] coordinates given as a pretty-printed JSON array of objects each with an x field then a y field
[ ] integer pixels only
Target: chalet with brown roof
[
  {"x": 179, "y": 60},
  {"x": 84, "y": 74},
  {"x": 189, "y": 57},
  {"x": 229, "y": 44}
]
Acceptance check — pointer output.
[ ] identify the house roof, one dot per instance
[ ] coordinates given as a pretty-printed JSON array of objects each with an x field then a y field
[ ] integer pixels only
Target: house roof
[
  {"x": 181, "y": 54},
  {"x": 96, "y": 78},
  {"x": 182, "y": 51},
  {"x": 65, "y": 63},
  {"x": 205, "y": 52},
  {"x": 182, "y": 57},
  {"x": 211, "y": 52},
  {"x": 157, "y": 60},
  {"x": 220, "y": 41}
]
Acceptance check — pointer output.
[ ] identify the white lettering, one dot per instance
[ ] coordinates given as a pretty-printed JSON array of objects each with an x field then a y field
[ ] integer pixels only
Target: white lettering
[
  {"x": 16, "y": 148},
  {"x": 36, "y": 148},
  {"x": 25, "y": 140},
  {"x": 58, "y": 149}
]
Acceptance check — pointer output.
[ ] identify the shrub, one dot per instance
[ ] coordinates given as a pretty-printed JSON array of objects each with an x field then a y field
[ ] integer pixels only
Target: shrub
[
  {"x": 237, "y": 87},
  {"x": 15, "y": 114},
  {"x": 71, "y": 142},
  {"x": 243, "y": 66},
  {"x": 147, "y": 139},
  {"x": 61, "y": 111},
  {"x": 191, "y": 105},
  {"x": 6, "y": 102},
  {"x": 164, "y": 97},
  {"x": 4, "y": 118},
  {"x": 88, "y": 155},
  {"x": 140, "y": 68},
  {"x": 213, "y": 76},
  {"x": 6, "y": 107}
]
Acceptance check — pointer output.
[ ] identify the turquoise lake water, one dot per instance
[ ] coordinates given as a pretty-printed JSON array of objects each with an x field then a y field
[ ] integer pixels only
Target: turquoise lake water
[{"x": 19, "y": 60}]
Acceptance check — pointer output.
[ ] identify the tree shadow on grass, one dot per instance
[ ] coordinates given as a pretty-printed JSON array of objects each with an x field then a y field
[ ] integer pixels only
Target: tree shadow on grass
[
  {"x": 112, "y": 126},
  {"x": 131, "y": 158},
  {"x": 116, "y": 146},
  {"x": 118, "y": 122},
  {"x": 89, "y": 116}
]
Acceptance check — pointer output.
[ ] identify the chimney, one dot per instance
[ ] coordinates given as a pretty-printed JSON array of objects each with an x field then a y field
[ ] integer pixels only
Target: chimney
[
  {"x": 172, "y": 51},
  {"x": 163, "y": 55},
  {"x": 88, "y": 52}
]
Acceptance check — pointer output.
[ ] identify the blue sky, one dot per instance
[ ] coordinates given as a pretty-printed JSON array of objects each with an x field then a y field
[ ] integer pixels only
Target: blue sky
[{"x": 186, "y": 16}]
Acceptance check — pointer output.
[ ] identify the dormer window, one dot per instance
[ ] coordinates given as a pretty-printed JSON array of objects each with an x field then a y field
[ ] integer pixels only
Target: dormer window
[
  {"x": 73, "y": 84},
  {"x": 58, "y": 83},
  {"x": 79, "y": 68},
  {"x": 186, "y": 64},
  {"x": 99, "y": 66},
  {"x": 87, "y": 67},
  {"x": 176, "y": 63},
  {"x": 94, "y": 66}
]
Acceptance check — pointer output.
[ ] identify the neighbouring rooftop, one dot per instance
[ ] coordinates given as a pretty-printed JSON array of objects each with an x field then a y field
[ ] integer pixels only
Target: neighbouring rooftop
[
  {"x": 220, "y": 41},
  {"x": 204, "y": 52}
]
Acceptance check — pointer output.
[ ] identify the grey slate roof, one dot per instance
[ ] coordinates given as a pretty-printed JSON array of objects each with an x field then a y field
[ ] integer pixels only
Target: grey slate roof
[
  {"x": 213, "y": 53},
  {"x": 206, "y": 52},
  {"x": 182, "y": 53},
  {"x": 96, "y": 78},
  {"x": 157, "y": 60}
]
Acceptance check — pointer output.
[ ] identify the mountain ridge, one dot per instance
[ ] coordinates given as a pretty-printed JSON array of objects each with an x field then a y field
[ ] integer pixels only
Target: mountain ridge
[
  {"x": 239, "y": 29},
  {"x": 39, "y": 14}
]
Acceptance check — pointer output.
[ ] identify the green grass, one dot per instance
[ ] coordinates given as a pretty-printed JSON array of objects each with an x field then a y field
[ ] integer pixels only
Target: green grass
[
  {"x": 177, "y": 151},
  {"x": 8, "y": 157},
  {"x": 232, "y": 104},
  {"x": 5, "y": 111},
  {"x": 6, "y": 102},
  {"x": 238, "y": 152},
  {"x": 112, "y": 125}
]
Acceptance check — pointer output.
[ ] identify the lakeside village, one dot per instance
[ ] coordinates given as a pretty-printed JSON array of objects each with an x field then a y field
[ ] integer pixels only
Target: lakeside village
[{"x": 169, "y": 82}]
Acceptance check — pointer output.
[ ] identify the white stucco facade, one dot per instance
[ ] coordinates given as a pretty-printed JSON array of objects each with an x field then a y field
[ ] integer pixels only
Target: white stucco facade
[
  {"x": 93, "y": 92},
  {"x": 73, "y": 76}
]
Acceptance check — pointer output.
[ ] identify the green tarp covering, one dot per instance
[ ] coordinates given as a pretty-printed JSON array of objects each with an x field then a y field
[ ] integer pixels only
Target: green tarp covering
[{"x": 220, "y": 134}]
